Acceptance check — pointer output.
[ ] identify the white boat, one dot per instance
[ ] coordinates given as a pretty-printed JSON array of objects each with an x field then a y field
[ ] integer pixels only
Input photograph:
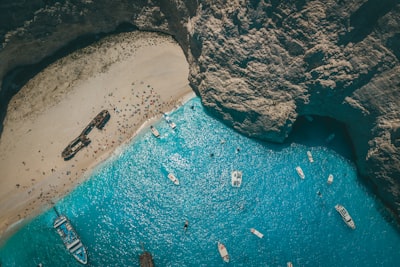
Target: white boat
[
  {"x": 70, "y": 238},
  {"x": 289, "y": 264},
  {"x": 236, "y": 178},
  {"x": 310, "y": 157},
  {"x": 300, "y": 172},
  {"x": 155, "y": 132},
  {"x": 330, "y": 179},
  {"x": 345, "y": 216},
  {"x": 173, "y": 178},
  {"x": 256, "y": 232},
  {"x": 223, "y": 252},
  {"x": 168, "y": 120}
]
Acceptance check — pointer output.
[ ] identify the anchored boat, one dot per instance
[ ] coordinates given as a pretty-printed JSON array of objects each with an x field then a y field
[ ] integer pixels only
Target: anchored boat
[
  {"x": 154, "y": 131},
  {"x": 300, "y": 172},
  {"x": 173, "y": 178},
  {"x": 310, "y": 157},
  {"x": 236, "y": 178},
  {"x": 330, "y": 179},
  {"x": 223, "y": 252},
  {"x": 256, "y": 232},
  {"x": 70, "y": 238},
  {"x": 345, "y": 216},
  {"x": 168, "y": 120}
]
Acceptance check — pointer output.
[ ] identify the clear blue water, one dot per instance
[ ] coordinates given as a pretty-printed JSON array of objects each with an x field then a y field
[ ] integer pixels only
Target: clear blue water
[{"x": 129, "y": 200}]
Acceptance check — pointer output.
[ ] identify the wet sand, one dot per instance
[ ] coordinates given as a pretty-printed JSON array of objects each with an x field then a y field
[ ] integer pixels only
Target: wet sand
[{"x": 135, "y": 76}]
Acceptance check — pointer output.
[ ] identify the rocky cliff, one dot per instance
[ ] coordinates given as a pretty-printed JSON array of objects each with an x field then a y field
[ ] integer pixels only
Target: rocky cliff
[{"x": 257, "y": 65}]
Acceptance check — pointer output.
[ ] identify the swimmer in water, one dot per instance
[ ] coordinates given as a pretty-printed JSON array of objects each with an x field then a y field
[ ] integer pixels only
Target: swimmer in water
[{"x": 185, "y": 227}]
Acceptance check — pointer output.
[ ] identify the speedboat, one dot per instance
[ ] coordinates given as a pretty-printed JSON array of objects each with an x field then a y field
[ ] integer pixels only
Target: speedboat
[
  {"x": 345, "y": 216},
  {"x": 310, "y": 157},
  {"x": 236, "y": 178},
  {"x": 70, "y": 238},
  {"x": 256, "y": 232},
  {"x": 173, "y": 178},
  {"x": 223, "y": 252},
  {"x": 155, "y": 132},
  {"x": 169, "y": 121},
  {"x": 300, "y": 172},
  {"x": 330, "y": 179}
]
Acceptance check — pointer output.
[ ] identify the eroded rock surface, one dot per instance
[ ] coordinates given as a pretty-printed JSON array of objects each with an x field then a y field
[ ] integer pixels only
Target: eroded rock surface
[
  {"x": 260, "y": 65},
  {"x": 257, "y": 65}
]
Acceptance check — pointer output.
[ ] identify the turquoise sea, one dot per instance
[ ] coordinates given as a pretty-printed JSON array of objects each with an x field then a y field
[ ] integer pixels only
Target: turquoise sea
[{"x": 129, "y": 200}]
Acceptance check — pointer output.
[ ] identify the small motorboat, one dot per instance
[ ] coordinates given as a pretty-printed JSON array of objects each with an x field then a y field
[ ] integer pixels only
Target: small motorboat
[
  {"x": 154, "y": 131},
  {"x": 236, "y": 178},
  {"x": 169, "y": 121},
  {"x": 256, "y": 232},
  {"x": 289, "y": 264},
  {"x": 310, "y": 157},
  {"x": 173, "y": 178},
  {"x": 300, "y": 172},
  {"x": 223, "y": 252},
  {"x": 330, "y": 179}
]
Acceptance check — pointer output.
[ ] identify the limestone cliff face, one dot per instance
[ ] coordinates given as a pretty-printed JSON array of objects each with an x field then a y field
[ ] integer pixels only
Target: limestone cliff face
[
  {"x": 257, "y": 65},
  {"x": 32, "y": 30}
]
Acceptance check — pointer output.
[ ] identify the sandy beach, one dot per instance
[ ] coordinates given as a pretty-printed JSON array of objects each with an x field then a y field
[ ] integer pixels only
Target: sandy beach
[{"x": 135, "y": 76}]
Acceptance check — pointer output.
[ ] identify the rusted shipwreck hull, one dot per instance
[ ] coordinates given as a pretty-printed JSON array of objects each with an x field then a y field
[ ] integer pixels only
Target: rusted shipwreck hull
[{"x": 82, "y": 140}]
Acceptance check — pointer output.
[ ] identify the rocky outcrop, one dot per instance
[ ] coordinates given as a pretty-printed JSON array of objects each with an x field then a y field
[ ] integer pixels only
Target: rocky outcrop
[{"x": 257, "y": 65}]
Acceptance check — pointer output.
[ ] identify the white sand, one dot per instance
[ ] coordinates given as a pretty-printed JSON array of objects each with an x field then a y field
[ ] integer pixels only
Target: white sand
[{"x": 135, "y": 76}]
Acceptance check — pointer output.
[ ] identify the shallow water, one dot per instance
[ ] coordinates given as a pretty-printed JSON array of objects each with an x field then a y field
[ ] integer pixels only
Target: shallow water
[{"x": 129, "y": 200}]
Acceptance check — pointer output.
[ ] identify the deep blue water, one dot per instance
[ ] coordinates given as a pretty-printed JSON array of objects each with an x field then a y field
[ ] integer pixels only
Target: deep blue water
[{"x": 129, "y": 200}]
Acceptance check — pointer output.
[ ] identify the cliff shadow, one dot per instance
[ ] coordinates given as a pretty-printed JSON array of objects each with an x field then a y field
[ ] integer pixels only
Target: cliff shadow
[
  {"x": 365, "y": 18},
  {"x": 240, "y": 117},
  {"x": 15, "y": 79},
  {"x": 325, "y": 131},
  {"x": 393, "y": 43},
  {"x": 322, "y": 131}
]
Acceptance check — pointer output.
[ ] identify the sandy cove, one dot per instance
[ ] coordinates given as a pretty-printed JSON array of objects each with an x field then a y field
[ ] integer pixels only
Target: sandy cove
[{"x": 135, "y": 76}]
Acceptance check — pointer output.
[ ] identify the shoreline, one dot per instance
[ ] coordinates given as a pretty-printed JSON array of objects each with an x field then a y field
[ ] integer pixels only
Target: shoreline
[
  {"x": 16, "y": 226},
  {"x": 135, "y": 76}
]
